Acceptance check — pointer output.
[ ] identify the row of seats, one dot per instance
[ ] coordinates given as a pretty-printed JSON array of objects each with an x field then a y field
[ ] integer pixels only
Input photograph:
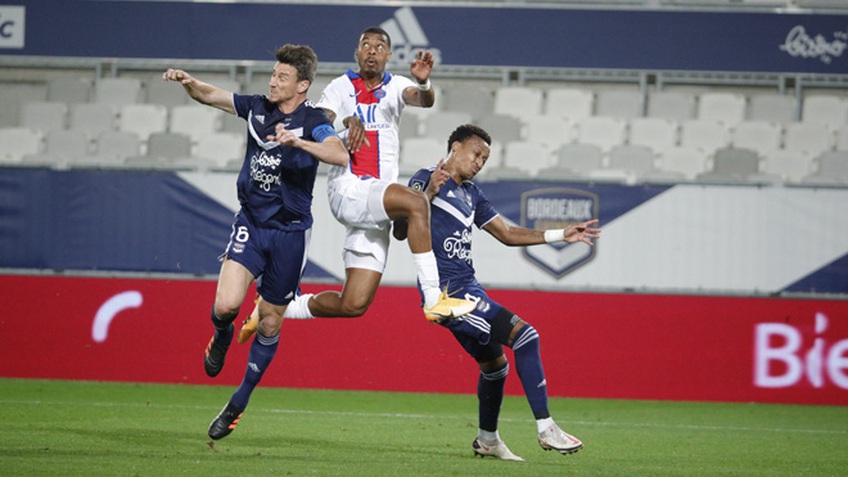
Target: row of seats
[
  {"x": 521, "y": 101},
  {"x": 578, "y": 103},
  {"x": 514, "y": 160},
  {"x": 631, "y": 163},
  {"x": 198, "y": 122},
  {"x": 61, "y": 148},
  {"x": 657, "y": 133}
]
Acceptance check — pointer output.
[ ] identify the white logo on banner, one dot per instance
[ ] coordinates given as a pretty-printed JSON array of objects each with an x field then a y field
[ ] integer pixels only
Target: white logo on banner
[
  {"x": 799, "y": 44},
  {"x": 109, "y": 310},
  {"x": 407, "y": 38},
  {"x": 781, "y": 358},
  {"x": 12, "y": 26}
]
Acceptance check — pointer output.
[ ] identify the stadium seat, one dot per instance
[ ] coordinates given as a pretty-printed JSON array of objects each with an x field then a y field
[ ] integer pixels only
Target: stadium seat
[
  {"x": 842, "y": 138},
  {"x": 658, "y": 134},
  {"x": 674, "y": 105},
  {"x": 604, "y": 132},
  {"x": 521, "y": 102},
  {"x": 61, "y": 147},
  {"x": 15, "y": 143},
  {"x": 638, "y": 160},
  {"x": 708, "y": 135},
  {"x": 618, "y": 103},
  {"x": 195, "y": 121},
  {"x": 549, "y": 131},
  {"x": 69, "y": 89},
  {"x": 761, "y": 136},
  {"x": 791, "y": 166},
  {"x": 233, "y": 123},
  {"x": 729, "y": 108},
  {"x": 420, "y": 152},
  {"x": 526, "y": 156},
  {"x": 811, "y": 138},
  {"x": 44, "y": 116},
  {"x": 689, "y": 162},
  {"x": 478, "y": 101},
  {"x": 833, "y": 164},
  {"x": 571, "y": 103},
  {"x": 410, "y": 126},
  {"x": 111, "y": 149},
  {"x": 440, "y": 124},
  {"x": 92, "y": 118},
  {"x": 118, "y": 91},
  {"x": 580, "y": 159},
  {"x": 165, "y": 150},
  {"x": 732, "y": 164},
  {"x": 220, "y": 148},
  {"x": 143, "y": 119},
  {"x": 825, "y": 108},
  {"x": 772, "y": 107},
  {"x": 165, "y": 93},
  {"x": 504, "y": 128}
]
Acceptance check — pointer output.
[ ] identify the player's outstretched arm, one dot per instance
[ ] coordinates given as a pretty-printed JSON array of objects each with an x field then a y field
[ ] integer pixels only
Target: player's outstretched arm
[
  {"x": 520, "y": 236},
  {"x": 201, "y": 92}
]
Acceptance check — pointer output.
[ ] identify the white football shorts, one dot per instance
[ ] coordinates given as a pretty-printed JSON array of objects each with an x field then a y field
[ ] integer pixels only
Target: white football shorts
[{"x": 358, "y": 205}]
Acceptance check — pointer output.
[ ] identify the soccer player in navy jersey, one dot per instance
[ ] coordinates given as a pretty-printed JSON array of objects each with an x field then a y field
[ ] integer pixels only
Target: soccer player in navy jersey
[
  {"x": 457, "y": 204},
  {"x": 286, "y": 137}
]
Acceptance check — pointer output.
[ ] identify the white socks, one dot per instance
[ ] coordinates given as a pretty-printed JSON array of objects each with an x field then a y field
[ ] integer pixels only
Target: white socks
[
  {"x": 488, "y": 437},
  {"x": 428, "y": 276},
  {"x": 298, "y": 308},
  {"x": 544, "y": 424}
]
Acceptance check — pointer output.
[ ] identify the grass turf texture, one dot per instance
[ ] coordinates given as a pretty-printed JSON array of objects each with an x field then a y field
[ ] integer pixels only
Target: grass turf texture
[{"x": 88, "y": 428}]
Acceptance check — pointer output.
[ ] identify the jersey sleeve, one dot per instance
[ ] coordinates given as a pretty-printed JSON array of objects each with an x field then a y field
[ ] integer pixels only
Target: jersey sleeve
[
  {"x": 420, "y": 179},
  {"x": 243, "y": 103},
  {"x": 402, "y": 83},
  {"x": 331, "y": 98},
  {"x": 484, "y": 211},
  {"x": 319, "y": 125}
]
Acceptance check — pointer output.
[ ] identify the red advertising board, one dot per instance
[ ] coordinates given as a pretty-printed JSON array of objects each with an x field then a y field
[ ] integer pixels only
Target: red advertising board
[{"x": 600, "y": 345}]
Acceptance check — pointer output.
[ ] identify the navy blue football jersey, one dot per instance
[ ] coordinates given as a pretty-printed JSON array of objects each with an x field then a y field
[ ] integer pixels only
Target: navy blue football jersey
[
  {"x": 275, "y": 183},
  {"x": 452, "y": 213}
]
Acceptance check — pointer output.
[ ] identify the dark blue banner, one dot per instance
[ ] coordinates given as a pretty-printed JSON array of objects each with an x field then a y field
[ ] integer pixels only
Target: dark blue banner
[{"x": 505, "y": 36}]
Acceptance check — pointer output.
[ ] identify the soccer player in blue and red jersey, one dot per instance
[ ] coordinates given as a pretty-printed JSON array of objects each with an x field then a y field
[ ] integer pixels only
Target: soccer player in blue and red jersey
[
  {"x": 286, "y": 137},
  {"x": 457, "y": 204},
  {"x": 364, "y": 195}
]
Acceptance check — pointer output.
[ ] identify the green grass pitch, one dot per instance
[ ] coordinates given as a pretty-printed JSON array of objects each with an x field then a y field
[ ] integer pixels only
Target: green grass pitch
[{"x": 87, "y": 428}]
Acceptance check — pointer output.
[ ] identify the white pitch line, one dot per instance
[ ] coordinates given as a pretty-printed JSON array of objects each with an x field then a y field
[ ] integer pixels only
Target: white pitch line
[{"x": 694, "y": 427}]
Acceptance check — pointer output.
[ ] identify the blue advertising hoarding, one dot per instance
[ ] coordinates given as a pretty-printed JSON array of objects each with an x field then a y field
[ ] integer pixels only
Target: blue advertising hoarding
[{"x": 460, "y": 35}]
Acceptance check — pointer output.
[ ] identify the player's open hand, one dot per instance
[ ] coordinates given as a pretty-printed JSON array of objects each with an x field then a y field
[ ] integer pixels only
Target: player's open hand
[
  {"x": 422, "y": 66},
  {"x": 582, "y": 232}
]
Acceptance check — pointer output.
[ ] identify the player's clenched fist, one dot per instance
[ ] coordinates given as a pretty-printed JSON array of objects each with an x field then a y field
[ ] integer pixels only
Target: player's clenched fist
[{"x": 177, "y": 75}]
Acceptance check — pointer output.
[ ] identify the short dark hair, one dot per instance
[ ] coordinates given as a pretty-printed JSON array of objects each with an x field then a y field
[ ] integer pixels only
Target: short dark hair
[
  {"x": 379, "y": 31},
  {"x": 466, "y": 131},
  {"x": 301, "y": 58}
]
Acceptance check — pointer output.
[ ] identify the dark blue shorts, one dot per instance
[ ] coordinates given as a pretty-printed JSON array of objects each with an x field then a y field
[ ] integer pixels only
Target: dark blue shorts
[
  {"x": 474, "y": 331},
  {"x": 278, "y": 256}
]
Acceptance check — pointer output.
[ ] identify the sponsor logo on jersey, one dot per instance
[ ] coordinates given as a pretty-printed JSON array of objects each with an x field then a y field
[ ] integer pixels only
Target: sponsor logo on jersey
[
  {"x": 557, "y": 208},
  {"x": 407, "y": 38}
]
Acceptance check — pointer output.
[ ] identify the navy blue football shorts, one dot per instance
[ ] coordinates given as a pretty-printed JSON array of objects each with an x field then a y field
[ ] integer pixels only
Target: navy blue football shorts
[
  {"x": 484, "y": 331},
  {"x": 278, "y": 256}
]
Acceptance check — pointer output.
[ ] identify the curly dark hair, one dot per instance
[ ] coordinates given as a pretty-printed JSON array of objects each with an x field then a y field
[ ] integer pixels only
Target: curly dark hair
[{"x": 462, "y": 133}]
